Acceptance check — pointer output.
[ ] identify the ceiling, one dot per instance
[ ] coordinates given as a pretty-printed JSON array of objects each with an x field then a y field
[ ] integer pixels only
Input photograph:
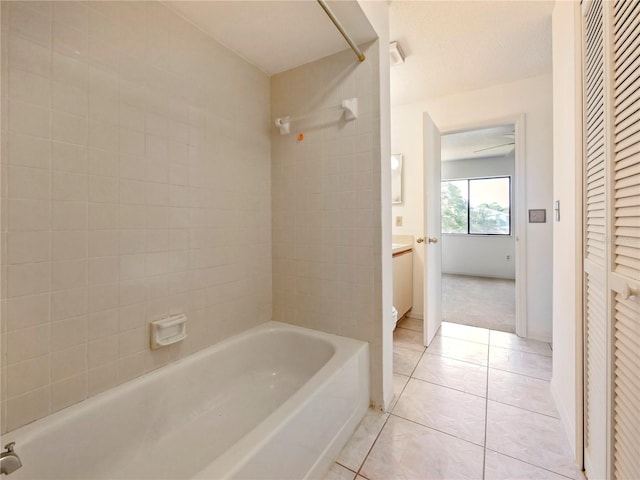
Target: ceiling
[
  {"x": 455, "y": 46},
  {"x": 482, "y": 143},
  {"x": 276, "y": 36},
  {"x": 451, "y": 46}
]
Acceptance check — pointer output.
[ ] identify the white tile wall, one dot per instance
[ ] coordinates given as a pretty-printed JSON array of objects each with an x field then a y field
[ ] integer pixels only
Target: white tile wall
[
  {"x": 326, "y": 202},
  {"x": 135, "y": 184}
]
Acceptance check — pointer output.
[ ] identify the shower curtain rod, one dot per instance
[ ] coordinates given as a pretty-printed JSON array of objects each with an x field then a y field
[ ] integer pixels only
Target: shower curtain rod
[{"x": 338, "y": 25}]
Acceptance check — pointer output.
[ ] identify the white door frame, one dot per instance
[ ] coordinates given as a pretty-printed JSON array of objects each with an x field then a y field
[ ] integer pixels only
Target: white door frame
[{"x": 520, "y": 231}]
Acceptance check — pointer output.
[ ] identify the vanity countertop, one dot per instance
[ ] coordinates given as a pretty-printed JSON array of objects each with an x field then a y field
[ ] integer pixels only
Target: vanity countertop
[{"x": 400, "y": 247}]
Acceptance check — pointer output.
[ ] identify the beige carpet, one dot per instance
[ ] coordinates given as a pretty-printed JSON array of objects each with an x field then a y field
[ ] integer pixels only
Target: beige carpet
[{"x": 479, "y": 302}]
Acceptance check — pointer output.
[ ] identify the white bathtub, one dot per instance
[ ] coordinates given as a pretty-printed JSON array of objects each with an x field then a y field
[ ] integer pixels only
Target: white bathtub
[{"x": 276, "y": 402}]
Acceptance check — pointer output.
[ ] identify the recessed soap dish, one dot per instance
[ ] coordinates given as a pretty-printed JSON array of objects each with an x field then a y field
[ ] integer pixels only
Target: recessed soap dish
[{"x": 168, "y": 331}]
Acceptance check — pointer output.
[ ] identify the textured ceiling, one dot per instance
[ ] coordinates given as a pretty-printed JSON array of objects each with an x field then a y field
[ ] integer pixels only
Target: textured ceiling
[
  {"x": 455, "y": 46},
  {"x": 276, "y": 36},
  {"x": 480, "y": 143}
]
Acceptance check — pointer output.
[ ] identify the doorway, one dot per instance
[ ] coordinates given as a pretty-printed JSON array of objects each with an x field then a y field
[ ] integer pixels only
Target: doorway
[
  {"x": 482, "y": 231},
  {"x": 478, "y": 228}
]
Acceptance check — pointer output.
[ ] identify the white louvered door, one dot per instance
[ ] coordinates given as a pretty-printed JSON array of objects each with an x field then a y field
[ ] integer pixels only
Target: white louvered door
[
  {"x": 595, "y": 248},
  {"x": 611, "y": 32},
  {"x": 624, "y": 277}
]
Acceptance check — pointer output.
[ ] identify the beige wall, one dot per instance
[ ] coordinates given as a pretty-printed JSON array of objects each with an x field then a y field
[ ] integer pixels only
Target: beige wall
[
  {"x": 325, "y": 202},
  {"x": 566, "y": 384},
  {"x": 136, "y": 184},
  {"x": 532, "y": 97}
]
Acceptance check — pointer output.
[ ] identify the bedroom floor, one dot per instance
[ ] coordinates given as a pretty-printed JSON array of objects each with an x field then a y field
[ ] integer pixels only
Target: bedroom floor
[
  {"x": 479, "y": 301},
  {"x": 475, "y": 404}
]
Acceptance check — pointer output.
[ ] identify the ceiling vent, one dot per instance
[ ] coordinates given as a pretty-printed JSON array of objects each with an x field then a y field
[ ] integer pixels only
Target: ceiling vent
[{"x": 396, "y": 54}]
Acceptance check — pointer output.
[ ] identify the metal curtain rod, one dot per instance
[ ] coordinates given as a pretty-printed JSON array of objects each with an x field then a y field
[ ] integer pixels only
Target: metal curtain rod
[{"x": 338, "y": 25}]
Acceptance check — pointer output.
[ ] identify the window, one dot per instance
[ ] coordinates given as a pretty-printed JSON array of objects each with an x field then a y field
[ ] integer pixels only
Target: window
[{"x": 477, "y": 206}]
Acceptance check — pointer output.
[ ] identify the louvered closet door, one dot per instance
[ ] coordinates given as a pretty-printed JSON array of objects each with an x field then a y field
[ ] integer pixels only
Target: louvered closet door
[
  {"x": 624, "y": 277},
  {"x": 595, "y": 249}
]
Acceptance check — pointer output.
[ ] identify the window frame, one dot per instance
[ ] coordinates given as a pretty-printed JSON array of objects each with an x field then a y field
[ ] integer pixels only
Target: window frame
[{"x": 468, "y": 180}]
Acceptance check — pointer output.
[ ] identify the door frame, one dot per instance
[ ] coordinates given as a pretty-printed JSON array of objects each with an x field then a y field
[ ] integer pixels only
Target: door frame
[{"x": 520, "y": 199}]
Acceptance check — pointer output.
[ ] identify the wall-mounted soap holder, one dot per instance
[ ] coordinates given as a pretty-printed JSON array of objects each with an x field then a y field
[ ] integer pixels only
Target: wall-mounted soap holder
[{"x": 168, "y": 331}]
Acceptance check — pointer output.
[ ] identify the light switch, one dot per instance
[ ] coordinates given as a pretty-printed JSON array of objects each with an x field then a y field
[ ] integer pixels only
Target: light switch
[{"x": 399, "y": 221}]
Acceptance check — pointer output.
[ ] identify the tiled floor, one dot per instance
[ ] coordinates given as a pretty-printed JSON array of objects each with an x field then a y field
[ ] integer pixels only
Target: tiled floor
[{"x": 474, "y": 405}]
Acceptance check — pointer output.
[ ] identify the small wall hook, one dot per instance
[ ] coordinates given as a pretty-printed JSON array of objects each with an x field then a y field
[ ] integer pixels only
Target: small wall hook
[
  {"x": 350, "y": 106},
  {"x": 284, "y": 124}
]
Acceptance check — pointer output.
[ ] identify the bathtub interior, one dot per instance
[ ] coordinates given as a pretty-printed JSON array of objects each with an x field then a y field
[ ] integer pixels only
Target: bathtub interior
[{"x": 174, "y": 422}]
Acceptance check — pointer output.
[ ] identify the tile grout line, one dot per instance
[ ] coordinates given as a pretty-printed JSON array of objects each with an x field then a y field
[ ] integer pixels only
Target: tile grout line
[
  {"x": 345, "y": 467},
  {"x": 521, "y": 374},
  {"x": 446, "y": 386},
  {"x": 528, "y": 463},
  {"x": 475, "y": 394},
  {"x": 521, "y": 408},
  {"x": 373, "y": 443},
  {"x": 457, "y": 359},
  {"x": 522, "y": 351},
  {"x": 486, "y": 413},
  {"x": 435, "y": 429}
]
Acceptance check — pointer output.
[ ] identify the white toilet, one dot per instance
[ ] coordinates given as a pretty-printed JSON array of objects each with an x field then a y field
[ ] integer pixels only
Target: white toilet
[{"x": 394, "y": 317}]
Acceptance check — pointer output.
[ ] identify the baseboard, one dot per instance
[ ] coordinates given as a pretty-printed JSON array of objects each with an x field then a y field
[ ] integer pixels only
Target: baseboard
[{"x": 565, "y": 420}]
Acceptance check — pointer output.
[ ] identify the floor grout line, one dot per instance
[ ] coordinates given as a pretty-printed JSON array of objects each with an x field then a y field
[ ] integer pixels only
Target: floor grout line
[
  {"x": 528, "y": 463},
  {"x": 521, "y": 351},
  {"x": 521, "y": 374},
  {"x": 373, "y": 444},
  {"x": 521, "y": 408},
  {"x": 444, "y": 386},
  {"x": 451, "y": 358},
  {"x": 391, "y": 414},
  {"x": 486, "y": 414},
  {"x": 344, "y": 466}
]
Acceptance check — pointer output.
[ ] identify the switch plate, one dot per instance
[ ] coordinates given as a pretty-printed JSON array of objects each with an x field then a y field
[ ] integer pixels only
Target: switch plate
[
  {"x": 399, "y": 221},
  {"x": 538, "y": 216}
]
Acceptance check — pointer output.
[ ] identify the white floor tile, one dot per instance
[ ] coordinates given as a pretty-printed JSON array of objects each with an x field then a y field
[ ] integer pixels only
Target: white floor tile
[
  {"x": 405, "y": 360},
  {"x": 521, "y": 391},
  {"x": 530, "y": 364},
  {"x": 531, "y": 437},
  {"x": 399, "y": 382},
  {"x": 463, "y": 376},
  {"x": 406, "y": 450},
  {"x": 512, "y": 341},
  {"x": 501, "y": 467},
  {"x": 411, "y": 324},
  {"x": 356, "y": 449},
  {"x": 338, "y": 472},
  {"x": 459, "y": 350},
  {"x": 464, "y": 332},
  {"x": 450, "y": 411},
  {"x": 437, "y": 428},
  {"x": 409, "y": 339}
]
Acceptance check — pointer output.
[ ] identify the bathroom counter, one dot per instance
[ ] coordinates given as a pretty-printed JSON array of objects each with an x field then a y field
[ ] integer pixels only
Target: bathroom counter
[{"x": 397, "y": 248}]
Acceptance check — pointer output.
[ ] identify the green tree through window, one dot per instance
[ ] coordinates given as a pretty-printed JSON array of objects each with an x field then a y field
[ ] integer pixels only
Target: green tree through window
[
  {"x": 479, "y": 206},
  {"x": 454, "y": 207}
]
